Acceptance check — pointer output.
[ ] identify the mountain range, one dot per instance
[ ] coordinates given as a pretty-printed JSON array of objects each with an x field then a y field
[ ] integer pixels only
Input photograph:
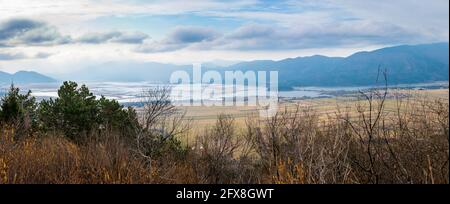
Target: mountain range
[
  {"x": 23, "y": 77},
  {"x": 404, "y": 64}
]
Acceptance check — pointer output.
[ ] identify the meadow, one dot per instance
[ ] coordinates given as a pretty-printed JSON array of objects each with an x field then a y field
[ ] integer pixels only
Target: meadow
[{"x": 204, "y": 116}]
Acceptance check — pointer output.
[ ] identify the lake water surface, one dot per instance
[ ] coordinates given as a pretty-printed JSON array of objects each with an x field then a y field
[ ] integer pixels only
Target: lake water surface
[{"x": 126, "y": 92}]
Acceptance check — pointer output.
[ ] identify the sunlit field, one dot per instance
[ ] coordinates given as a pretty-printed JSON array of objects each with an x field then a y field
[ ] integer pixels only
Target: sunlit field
[{"x": 204, "y": 116}]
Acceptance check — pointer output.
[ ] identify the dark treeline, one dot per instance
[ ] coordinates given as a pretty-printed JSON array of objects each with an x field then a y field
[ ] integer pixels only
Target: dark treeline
[{"x": 79, "y": 138}]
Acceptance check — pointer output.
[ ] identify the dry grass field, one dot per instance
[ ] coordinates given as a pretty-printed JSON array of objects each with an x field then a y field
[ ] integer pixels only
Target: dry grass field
[{"x": 204, "y": 116}]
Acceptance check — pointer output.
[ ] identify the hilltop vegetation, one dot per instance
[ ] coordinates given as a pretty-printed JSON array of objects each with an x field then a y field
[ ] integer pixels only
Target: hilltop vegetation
[{"x": 78, "y": 138}]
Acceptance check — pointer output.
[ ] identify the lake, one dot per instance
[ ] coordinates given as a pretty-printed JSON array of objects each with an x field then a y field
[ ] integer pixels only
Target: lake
[{"x": 130, "y": 92}]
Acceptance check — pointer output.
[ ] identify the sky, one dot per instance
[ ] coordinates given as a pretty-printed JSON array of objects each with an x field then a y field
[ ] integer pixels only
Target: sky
[{"x": 58, "y": 36}]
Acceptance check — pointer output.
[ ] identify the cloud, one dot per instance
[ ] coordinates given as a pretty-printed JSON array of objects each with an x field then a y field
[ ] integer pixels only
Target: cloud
[
  {"x": 91, "y": 9},
  {"x": 131, "y": 38},
  {"x": 263, "y": 37},
  {"x": 191, "y": 35},
  {"x": 42, "y": 55},
  {"x": 29, "y": 32},
  {"x": 179, "y": 38},
  {"x": 342, "y": 34},
  {"x": 97, "y": 38},
  {"x": 235, "y": 29},
  {"x": 426, "y": 18},
  {"x": 115, "y": 36},
  {"x": 9, "y": 56},
  {"x": 252, "y": 31},
  {"x": 13, "y": 27}
]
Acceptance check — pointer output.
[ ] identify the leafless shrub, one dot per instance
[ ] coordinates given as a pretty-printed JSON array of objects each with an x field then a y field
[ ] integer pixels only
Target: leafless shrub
[
  {"x": 216, "y": 149},
  {"x": 406, "y": 145},
  {"x": 294, "y": 149},
  {"x": 162, "y": 123}
]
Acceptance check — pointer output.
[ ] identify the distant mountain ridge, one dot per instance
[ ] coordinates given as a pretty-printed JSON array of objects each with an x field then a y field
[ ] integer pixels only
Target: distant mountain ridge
[
  {"x": 404, "y": 64},
  {"x": 24, "y": 77}
]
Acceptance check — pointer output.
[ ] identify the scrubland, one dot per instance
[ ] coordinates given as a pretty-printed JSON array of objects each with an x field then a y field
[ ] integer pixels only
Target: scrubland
[{"x": 377, "y": 136}]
